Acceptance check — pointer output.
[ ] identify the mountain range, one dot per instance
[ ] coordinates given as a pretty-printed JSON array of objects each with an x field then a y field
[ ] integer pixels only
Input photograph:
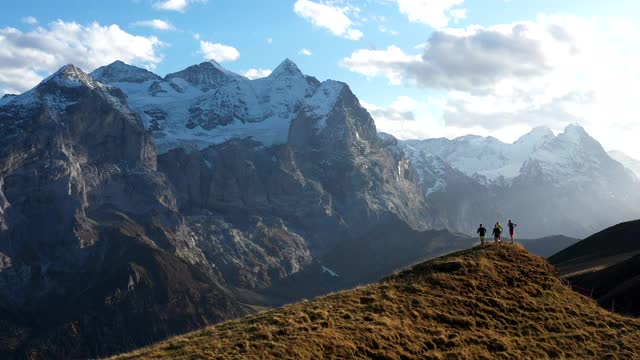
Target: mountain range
[
  {"x": 102, "y": 232},
  {"x": 548, "y": 184},
  {"x": 134, "y": 207}
]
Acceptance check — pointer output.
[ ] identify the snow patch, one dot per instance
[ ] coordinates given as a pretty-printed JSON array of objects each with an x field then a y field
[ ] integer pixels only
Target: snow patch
[
  {"x": 326, "y": 270},
  {"x": 261, "y": 109}
]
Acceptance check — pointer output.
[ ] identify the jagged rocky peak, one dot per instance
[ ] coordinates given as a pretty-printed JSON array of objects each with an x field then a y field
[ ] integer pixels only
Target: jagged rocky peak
[
  {"x": 67, "y": 86},
  {"x": 575, "y": 132},
  {"x": 69, "y": 76},
  {"x": 205, "y": 76},
  {"x": 537, "y": 134},
  {"x": 6, "y": 98},
  {"x": 286, "y": 68},
  {"x": 118, "y": 71},
  {"x": 576, "y": 137},
  {"x": 97, "y": 117}
]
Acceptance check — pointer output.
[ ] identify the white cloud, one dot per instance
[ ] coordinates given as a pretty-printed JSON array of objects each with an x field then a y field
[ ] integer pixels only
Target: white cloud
[
  {"x": 256, "y": 73},
  {"x": 269, "y": 41},
  {"x": 305, "y": 52},
  {"x": 407, "y": 118},
  {"x": 25, "y": 56},
  {"x": 29, "y": 20},
  {"x": 328, "y": 17},
  {"x": 401, "y": 109},
  {"x": 175, "y": 5},
  {"x": 390, "y": 63},
  {"x": 218, "y": 52},
  {"x": 155, "y": 24},
  {"x": 504, "y": 79},
  {"x": 435, "y": 13}
]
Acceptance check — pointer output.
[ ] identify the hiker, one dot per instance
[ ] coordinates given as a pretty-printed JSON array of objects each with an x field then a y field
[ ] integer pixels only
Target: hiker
[
  {"x": 482, "y": 231},
  {"x": 497, "y": 231},
  {"x": 512, "y": 229}
]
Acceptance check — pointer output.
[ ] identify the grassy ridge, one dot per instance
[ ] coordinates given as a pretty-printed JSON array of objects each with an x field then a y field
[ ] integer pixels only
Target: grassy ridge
[{"x": 496, "y": 302}]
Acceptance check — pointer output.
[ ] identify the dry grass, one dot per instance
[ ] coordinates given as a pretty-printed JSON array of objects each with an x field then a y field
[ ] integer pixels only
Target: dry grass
[{"x": 492, "y": 303}]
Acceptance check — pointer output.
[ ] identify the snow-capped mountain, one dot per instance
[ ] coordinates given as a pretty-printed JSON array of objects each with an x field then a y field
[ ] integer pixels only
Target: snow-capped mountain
[
  {"x": 207, "y": 104},
  {"x": 482, "y": 157},
  {"x": 92, "y": 215},
  {"x": 564, "y": 184},
  {"x": 630, "y": 163}
]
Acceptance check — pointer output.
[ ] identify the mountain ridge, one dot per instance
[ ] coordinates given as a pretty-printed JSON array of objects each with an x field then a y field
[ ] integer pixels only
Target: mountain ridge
[
  {"x": 192, "y": 234},
  {"x": 555, "y": 184},
  {"x": 513, "y": 306}
]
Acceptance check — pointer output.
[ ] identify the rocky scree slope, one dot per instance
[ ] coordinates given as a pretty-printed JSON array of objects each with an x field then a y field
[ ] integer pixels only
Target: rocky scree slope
[{"x": 494, "y": 302}]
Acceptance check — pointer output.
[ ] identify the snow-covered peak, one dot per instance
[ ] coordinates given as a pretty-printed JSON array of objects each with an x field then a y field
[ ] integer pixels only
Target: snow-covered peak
[
  {"x": 69, "y": 76},
  {"x": 66, "y": 87},
  {"x": 204, "y": 76},
  {"x": 536, "y": 135},
  {"x": 287, "y": 68},
  {"x": 118, "y": 71},
  {"x": 217, "y": 65},
  {"x": 479, "y": 140},
  {"x": 206, "y": 103},
  {"x": 492, "y": 159},
  {"x": 575, "y": 132},
  {"x": 575, "y": 138}
]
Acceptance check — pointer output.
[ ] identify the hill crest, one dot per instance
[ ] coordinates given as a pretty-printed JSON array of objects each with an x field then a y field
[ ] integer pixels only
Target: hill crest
[{"x": 495, "y": 302}]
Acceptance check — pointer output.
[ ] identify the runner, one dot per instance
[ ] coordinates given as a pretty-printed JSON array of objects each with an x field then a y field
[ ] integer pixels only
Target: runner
[
  {"x": 512, "y": 229},
  {"x": 482, "y": 231},
  {"x": 497, "y": 232}
]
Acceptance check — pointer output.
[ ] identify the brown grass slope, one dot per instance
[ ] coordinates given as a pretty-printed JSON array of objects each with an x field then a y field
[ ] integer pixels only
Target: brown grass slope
[{"x": 499, "y": 302}]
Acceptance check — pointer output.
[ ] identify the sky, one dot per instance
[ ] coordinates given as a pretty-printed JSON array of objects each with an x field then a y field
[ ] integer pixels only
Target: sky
[{"x": 423, "y": 68}]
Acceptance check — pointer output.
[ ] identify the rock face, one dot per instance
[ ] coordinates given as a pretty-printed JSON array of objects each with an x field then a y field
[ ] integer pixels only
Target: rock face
[
  {"x": 91, "y": 239},
  {"x": 106, "y": 245},
  {"x": 332, "y": 181},
  {"x": 565, "y": 184}
]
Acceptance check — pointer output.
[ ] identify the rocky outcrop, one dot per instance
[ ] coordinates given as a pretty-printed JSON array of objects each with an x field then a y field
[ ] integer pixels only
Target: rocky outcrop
[{"x": 91, "y": 239}]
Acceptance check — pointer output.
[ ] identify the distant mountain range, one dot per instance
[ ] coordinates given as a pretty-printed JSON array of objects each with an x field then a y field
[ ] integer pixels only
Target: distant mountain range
[{"x": 565, "y": 184}]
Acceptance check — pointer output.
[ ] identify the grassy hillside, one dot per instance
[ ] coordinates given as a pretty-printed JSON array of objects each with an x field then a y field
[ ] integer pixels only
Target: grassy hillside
[
  {"x": 605, "y": 248},
  {"x": 495, "y": 302}
]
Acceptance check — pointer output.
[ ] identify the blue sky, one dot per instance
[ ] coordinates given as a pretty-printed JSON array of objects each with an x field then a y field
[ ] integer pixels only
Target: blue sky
[{"x": 407, "y": 92}]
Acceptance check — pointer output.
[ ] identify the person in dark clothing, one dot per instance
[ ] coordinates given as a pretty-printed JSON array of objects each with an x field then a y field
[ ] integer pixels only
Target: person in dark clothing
[
  {"x": 512, "y": 229},
  {"x": 482, "y": 231},
  {"x": 497, "y": 232}
]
